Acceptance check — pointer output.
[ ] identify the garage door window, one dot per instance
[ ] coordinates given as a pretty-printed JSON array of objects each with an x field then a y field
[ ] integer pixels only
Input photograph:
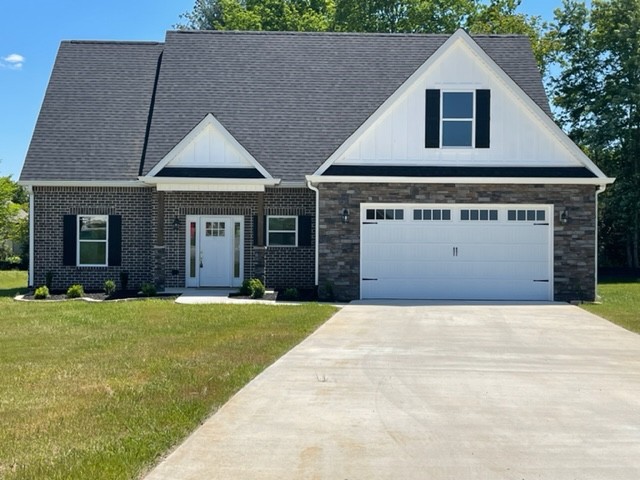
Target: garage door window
[
  {"x": 385, "y": 214},
  {"x": 478, "y": 215},
  {"x": 432, "y": 214},
  {"x": 526, "y": 215}
]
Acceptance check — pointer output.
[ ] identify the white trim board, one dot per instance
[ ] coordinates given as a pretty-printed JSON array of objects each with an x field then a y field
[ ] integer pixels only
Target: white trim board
[{"x": 316, "y": 179}]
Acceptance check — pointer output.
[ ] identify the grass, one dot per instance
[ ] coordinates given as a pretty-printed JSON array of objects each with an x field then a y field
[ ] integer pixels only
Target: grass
[
  {"x": 620, "y": 304},
  {"x": 12, "y": 282},
  {"x": 103, "y": 390}
]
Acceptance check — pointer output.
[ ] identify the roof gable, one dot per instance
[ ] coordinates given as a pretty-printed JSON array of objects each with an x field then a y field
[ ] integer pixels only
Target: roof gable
[
  {"x": 209, "y": 145},
  {"x": 522, "y": 133}
]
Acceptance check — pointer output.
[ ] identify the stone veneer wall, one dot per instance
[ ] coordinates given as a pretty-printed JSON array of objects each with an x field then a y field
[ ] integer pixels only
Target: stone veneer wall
[
  {"x": 574, "y": 242},
  {"x": 50, "y": 206},
  {"x": 285, "y": 266}
]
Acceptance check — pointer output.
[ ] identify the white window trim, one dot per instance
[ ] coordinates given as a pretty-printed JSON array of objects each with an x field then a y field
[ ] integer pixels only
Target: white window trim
[
  {"x": 105, "y": 241},
  {"x": 473, "y": 119},
  {"x": 282, "y": 231}
]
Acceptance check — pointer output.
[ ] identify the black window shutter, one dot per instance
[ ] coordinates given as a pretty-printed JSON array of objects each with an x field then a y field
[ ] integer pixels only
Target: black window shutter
[
  {"x": 483, "y": 118},
  {"x": 115, "y": 240},
  {"x": 432, "y": 119},
  {"x": 69, "y": 240},
  {"x": 304, "y": 231}
]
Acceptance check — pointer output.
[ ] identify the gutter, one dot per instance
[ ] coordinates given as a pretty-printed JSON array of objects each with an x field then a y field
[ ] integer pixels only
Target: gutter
[{"x": 311, "y": 187}]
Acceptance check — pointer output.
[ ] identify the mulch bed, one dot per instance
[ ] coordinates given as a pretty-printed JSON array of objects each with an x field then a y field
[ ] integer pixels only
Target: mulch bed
[{"x": 100, "y": 296}]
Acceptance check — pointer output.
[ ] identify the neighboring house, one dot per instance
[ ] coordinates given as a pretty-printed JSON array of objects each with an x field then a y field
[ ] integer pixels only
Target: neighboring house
[{"x": 369, "y": 165}]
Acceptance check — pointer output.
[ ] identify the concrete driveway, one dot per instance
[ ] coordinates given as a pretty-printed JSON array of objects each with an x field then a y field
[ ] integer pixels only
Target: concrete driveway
[{"x": 434, "y": 392}]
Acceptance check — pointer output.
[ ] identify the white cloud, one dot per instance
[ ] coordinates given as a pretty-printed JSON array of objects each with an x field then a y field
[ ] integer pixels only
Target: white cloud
[{"x": 13, "y": 61}]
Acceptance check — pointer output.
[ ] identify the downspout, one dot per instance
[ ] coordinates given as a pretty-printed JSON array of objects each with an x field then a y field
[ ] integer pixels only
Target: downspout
[
  {"x": 599, "y": 190},
  {"x": 31, "y": 280},
  {"x": 311, "y": 187}
]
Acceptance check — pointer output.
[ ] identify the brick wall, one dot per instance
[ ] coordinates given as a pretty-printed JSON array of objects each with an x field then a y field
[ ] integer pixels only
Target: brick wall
[
  {"x": 285, "y": 266},
  {"x": 574, "y": 242},
  {"x": 50, "y": 206}
]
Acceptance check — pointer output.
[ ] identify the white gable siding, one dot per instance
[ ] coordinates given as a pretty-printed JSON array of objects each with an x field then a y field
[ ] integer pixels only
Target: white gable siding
[
  {"x": 518, "y": 138},
  {"x": 210, "y": 148}
]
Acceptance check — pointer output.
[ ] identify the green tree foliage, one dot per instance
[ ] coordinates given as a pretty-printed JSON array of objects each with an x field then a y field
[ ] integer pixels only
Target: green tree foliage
[
  {"x": 388, "y": 16},
  {"x": 597, "y": 91},
  {"x": 13, "y": 222}
]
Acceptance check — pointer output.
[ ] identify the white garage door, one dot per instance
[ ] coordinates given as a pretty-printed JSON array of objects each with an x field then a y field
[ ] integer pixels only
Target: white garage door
[{"x": 457, "y": 252}]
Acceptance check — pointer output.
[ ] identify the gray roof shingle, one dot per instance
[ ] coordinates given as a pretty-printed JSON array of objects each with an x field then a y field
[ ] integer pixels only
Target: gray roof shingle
[
  {"x": 94, "y": 115},
  {"x": 289, "y": 98}
]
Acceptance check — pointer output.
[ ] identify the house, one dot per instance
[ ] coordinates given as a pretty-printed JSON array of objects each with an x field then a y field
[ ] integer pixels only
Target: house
[{"x": 367, "y": 165}]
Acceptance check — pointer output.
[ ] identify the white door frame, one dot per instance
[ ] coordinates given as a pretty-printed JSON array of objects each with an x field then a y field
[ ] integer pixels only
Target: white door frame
[
  {"x": 408, "y": 206},
  {"x": 192, "y": 276}
]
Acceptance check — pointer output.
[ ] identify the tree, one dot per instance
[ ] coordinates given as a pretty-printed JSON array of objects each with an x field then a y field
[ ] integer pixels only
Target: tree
[
  {"x": 597, "y": 91},
  {"x": 388, "y": 16},
  {"x": 13, "y": 221}
]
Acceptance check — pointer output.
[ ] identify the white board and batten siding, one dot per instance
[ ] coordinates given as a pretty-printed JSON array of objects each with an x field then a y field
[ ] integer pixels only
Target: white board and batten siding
[
  {"x": 518, "y": 137},
  {"x": 470, "y": 252}
]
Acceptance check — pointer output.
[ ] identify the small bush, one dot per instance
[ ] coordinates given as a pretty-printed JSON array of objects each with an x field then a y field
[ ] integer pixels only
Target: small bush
[
  {"x": 124, "y": 280},
  {"x": 14, "y": 261},
  {"x": 257, "y": 288},
  {"x": 75, "y": 291},
  {"x": 41, "y": 293},
  {"x": 48, "y": 279},
  {"x": 245, "y": 289},
  {"x": 109, "y": 287},
  {"x": 148, "y": 289},
  {"x": 290, "y": 294}
]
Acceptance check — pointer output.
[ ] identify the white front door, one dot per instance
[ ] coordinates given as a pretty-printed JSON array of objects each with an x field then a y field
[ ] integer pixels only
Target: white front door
[{"x": 214, "y": 251}]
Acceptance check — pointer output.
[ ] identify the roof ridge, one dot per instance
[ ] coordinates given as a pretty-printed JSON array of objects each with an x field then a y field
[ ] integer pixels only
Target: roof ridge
[
  {"x": 112, "y": 42},
  {"x": 344, "y": 34}
]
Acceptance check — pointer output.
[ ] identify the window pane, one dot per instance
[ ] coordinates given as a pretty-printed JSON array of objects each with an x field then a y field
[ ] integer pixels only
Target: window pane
[
  {"x": 446, "y": 214},
  {"x": 484, "y": 214},
  {"x": 531, "y": 215},
  {"x": 278, "y": 238},
  {"x": 436, "y": 214},
  {"x": 388, "y": 215},
  {"x": 474, "y": 214},
  {"x": 93, "y": 253},
  {"x": 522, "y": 215},
  {"x": 464, "y": 214},
  {"x": 371, "y": 214},
  {"x": 192, "y": 249},
  {"x": 399, "y": 214},
  {"x": 457, "y": 105},
  {"x": 236, "y": 250},
  {"x": 417, "y": 214},
  {"x": 93, "y": 228},
  {"x": 456, "y": 134},
  {"x": 427, "y": 214},
  {"x": 511, "y": 215},
  {"x": 540, "y": 216},
  {"x": 379, "y": 214},
  {"x": 282, "y": 223}
]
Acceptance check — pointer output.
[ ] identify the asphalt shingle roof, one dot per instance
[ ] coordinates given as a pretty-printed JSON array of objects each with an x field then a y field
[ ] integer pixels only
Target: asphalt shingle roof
[
  {"x": 94, "y": 115},
  {"x": 289, "y": 98}
]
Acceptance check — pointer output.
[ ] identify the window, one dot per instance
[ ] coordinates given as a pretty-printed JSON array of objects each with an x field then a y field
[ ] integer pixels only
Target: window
[
  {"x": 526, "y": 215},
  {"x": 432, "y": 214},
  {"x": 475, "y": 215},
  {"x": 282, "y": 231},
  {"x": 384, "y": 214},
  {"x": 214, "y": 229},
  {"x": 457, "y": 119},
  {"x": 92, "y": 240}
]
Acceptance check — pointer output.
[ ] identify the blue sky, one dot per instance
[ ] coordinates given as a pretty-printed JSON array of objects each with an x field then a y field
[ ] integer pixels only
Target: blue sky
[{"x": 32, "y": 30}]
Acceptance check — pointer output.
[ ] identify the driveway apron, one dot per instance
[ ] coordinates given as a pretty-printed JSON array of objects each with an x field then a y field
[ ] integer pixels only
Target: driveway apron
[{"x": 407, "y": 391}]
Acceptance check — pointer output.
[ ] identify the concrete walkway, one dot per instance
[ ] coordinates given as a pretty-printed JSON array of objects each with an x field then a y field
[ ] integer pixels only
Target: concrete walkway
[
  {"x": 199, "y": 296},
  {"x": 434, "y": 392}
]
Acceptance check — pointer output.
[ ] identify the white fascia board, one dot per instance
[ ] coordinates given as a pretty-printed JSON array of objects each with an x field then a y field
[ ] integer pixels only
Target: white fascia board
[
  {"x": 78, "y": 183},
  {"x": 201, "y": 187},
  {"x": 209, "y": 119},
  {"x": 210, "y": 181},
  {"x": 316, "y": 179},
  {"x": 461, "y": 35}
]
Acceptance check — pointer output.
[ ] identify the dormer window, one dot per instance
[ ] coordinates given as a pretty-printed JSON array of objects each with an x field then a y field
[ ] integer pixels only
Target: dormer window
[{"x": 457, "y": 119}]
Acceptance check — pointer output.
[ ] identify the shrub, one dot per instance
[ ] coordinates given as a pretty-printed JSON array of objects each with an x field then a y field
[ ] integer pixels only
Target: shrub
[
  {"x": 109, "y": 287},
  {"x": 245, "y": 289},
  {"x": 290, "y": 294},
  {"x": 41, "y": 293},
  {"x": 14, "y": 261},
  {"x": 48, "y": 279},
  {"x": 75, "y": 291},
  {"x": 148, "y": 289},
  {"x": 257, "y": 288},
  {"x": 124, "y": 280}
]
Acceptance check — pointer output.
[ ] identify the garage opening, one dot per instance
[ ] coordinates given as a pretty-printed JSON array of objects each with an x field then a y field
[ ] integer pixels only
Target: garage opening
[{"x": 456, "y": 251}]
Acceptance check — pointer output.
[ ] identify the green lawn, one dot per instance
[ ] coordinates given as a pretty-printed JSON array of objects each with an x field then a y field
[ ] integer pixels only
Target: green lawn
[
  {"x": 620, "y": 304},
  {"x": 102, "y": 390}
]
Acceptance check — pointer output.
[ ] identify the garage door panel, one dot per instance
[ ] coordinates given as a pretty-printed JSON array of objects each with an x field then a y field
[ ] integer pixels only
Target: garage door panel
[{"x": 457, "y": 259}]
